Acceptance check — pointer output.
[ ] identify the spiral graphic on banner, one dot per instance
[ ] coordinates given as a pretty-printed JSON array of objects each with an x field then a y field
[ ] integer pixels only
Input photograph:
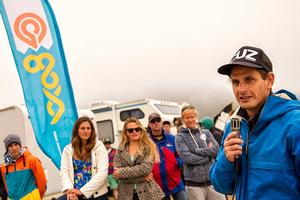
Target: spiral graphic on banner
[{"x": 47, "y": 75}]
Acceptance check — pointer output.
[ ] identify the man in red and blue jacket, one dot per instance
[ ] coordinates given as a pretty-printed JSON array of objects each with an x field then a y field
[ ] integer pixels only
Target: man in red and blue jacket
[{"x": 167, "y": 172}]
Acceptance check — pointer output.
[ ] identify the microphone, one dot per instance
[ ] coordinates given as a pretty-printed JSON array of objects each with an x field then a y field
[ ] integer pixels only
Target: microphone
[{"x": 235, "y": 125}]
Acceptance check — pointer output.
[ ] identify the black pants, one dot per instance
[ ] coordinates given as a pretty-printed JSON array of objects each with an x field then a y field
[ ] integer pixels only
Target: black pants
[
  {"x": 3, "y": 193},
  {"x": 135, "y": 196}
]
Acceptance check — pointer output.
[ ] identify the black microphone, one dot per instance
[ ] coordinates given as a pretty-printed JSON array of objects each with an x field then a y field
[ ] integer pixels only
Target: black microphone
[{"x": 235, "y": 125}]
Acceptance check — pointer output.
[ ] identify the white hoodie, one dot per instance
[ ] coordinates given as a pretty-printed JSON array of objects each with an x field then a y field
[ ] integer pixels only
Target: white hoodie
[{"x": 97, "y": 186}]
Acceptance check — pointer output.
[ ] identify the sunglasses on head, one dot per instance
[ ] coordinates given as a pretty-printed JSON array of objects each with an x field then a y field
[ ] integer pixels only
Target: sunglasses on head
[
  {"x": 106, "y": 142},
  {"x": 137, "y": 129},
  {"x": 155, "y": 120}
]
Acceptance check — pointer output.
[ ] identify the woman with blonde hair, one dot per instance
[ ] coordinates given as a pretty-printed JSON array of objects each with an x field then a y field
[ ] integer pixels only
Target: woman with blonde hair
[
  {"x": 84, "y": 164},
  {"x": 133, "y": 164}
]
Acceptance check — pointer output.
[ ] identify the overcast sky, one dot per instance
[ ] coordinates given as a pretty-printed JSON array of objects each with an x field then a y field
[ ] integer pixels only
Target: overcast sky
[{"x": 166, "y": 50}]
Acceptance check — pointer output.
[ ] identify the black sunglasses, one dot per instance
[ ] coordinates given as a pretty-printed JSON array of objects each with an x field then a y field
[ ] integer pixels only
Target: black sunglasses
[
  {"x": 137, "y": 129},
  {"x": 155, "y": 120}
]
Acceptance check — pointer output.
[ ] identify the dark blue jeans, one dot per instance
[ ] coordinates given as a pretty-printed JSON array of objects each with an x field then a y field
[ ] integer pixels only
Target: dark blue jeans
[{"x": 181, "y": 195}]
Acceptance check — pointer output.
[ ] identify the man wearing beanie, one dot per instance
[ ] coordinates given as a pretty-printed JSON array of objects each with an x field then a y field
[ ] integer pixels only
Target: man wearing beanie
[
  {"x": 21, "y": 167},
  {"x": 259, "y": 158}
]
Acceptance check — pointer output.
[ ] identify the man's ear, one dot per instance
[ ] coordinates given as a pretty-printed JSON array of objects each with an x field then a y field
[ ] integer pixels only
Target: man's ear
[{"x": 270, "y": 78}]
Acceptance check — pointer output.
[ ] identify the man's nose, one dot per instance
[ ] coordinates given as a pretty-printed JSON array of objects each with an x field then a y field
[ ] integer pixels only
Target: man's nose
[{"x": 242, "y": 87}]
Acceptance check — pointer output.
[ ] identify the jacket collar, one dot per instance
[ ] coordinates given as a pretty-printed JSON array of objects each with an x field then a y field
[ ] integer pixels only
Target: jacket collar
[{"x": 155, "y": 138}]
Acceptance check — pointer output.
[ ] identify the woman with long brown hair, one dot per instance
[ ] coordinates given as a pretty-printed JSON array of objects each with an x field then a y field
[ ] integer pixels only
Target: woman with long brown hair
[
  {"x": 84, "y": 164},
  {"x": 133, "y": 164}
]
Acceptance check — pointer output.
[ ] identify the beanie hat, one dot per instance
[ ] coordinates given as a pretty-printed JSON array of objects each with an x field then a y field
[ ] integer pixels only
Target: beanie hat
[
  {"x": 207, "y": 122},
  {"x": 11, "y": 138}
]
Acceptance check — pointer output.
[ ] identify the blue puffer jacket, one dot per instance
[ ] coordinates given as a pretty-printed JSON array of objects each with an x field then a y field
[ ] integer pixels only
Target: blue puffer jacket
[{"x": 271, "y": 168}]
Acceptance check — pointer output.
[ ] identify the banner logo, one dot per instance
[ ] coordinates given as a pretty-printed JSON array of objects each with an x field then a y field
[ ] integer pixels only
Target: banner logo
[{"x": 31, "y": 29}]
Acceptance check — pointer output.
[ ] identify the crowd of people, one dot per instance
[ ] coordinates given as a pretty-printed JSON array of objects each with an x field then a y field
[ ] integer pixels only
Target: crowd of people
[{"x": 258, "y": 158}]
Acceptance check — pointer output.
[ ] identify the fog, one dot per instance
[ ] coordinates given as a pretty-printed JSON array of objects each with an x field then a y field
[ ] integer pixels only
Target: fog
[{"x": 165, "y": 50}]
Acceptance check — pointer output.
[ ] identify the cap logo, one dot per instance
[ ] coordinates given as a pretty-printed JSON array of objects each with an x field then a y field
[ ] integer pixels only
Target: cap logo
[{"x": 247, "y": 54}]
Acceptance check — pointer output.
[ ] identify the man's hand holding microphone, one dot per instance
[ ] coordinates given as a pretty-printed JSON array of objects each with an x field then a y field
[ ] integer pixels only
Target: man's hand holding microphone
[{"x": 233, "y": 142}]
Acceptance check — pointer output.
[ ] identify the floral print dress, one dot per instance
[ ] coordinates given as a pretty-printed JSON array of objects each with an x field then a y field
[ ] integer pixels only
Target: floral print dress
[{"x": 82, "y": 172}]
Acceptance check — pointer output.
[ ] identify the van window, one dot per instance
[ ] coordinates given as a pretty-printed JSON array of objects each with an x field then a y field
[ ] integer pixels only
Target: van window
[
  {"x": 105, "y": 129},
  {"x": 136, "y": 113},
  {"x": 168, "y": 109}
]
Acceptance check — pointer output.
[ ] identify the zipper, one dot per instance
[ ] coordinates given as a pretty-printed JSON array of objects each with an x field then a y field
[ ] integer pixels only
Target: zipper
[
  {"x": 247, "y": 143},
  {"x": 250, "y": 133},
  {"x": 247, "y": 147}
]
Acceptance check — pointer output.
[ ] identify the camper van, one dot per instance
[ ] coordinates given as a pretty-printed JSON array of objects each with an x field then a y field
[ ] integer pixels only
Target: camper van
[
  {"x": 15, "y": 119},
  {"x": 110, "y": 116}
]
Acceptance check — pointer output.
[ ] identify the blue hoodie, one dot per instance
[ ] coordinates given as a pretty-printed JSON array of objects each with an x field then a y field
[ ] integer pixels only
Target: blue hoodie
[{"x": 270, "y": 169}]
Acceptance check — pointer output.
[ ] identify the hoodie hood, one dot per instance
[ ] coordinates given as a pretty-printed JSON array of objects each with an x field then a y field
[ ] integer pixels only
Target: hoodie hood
[
  {"x": 286, "y": 94},
  {"x": 275, "y": 107}
]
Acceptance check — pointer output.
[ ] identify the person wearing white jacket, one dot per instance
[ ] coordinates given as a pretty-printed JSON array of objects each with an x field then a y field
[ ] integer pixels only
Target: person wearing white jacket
[{"x": 84, "y": 164}]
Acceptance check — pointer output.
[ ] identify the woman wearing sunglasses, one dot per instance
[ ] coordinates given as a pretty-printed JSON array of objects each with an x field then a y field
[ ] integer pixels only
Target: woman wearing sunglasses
[
  {"x": 84, "y": 164},
  {"x": 133, "y": 164}
]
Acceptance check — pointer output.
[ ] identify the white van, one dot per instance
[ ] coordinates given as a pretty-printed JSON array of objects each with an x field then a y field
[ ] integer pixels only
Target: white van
[{"x": 109, "y": 116}]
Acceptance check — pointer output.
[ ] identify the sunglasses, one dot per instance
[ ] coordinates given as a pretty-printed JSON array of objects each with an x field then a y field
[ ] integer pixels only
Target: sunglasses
[
  {"x": 137, "y": 130},
  {"x": 155, "y": 120}
]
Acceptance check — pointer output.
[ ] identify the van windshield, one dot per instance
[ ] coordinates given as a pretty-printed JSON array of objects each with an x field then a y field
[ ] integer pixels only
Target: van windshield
[{"x": 168, "y": 109}]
